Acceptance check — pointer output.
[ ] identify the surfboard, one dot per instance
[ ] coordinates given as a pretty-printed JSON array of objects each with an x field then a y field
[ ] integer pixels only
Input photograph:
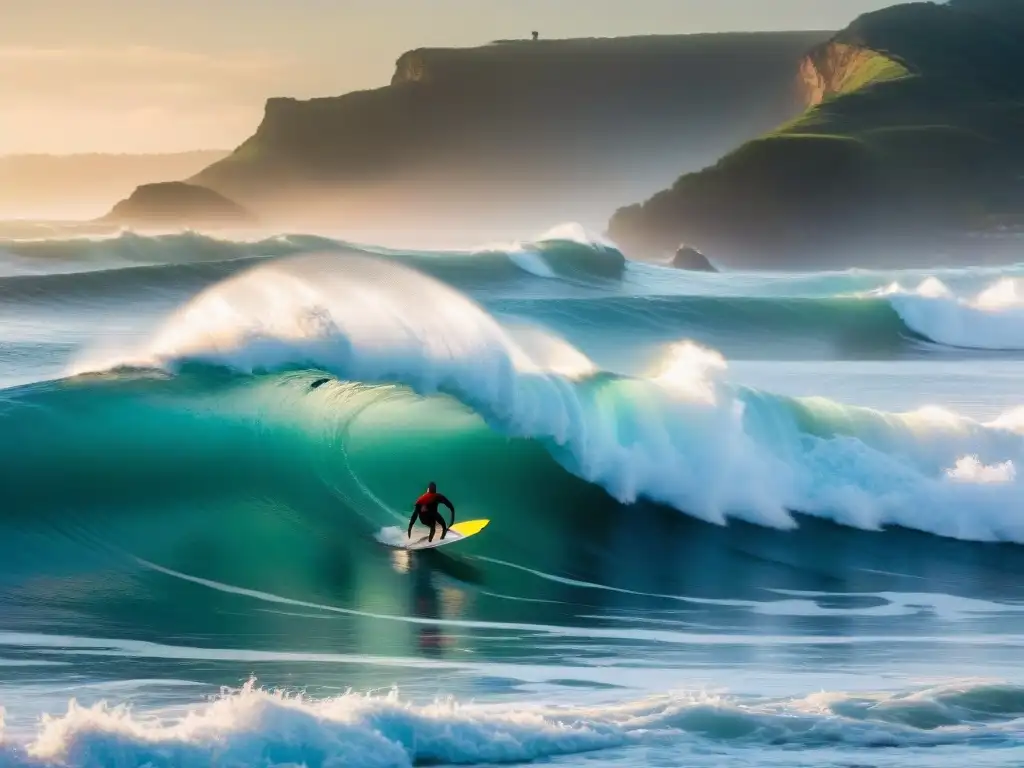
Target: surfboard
[{"x": 457, "y": 532}]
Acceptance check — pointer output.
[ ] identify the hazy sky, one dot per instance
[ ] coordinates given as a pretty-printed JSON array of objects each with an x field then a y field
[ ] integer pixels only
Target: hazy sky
[{"x": 166, "y": 75}]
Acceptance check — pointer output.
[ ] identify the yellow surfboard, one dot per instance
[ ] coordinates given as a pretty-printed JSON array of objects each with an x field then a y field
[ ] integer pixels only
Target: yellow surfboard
[{"x": 457, "y": 532}]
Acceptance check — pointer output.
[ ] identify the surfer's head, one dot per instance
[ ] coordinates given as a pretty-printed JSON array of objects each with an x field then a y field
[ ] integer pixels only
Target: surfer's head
[{"x": 432, "y": 487}]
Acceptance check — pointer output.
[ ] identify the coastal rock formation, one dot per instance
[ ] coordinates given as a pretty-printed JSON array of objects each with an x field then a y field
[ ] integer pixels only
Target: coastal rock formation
[
  {"x": 177, "y": 204},
  {"x": 691, "y": 259},
  {"x": 908, "y": 151},
  {"x": 521, "y": 131}
]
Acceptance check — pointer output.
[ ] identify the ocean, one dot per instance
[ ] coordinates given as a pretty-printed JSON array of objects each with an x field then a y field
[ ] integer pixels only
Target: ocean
[{"x": 737, "y": 519}]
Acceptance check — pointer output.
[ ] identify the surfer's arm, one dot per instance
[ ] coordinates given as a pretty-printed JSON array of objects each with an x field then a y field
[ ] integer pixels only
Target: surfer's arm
[
  {"x": 412, "y": 521},
  {"x": 444, "y": 500}
]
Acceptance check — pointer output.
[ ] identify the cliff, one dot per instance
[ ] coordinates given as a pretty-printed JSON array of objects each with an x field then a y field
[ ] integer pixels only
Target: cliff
[
  {"x": 70, "y": 186},
  {"x": 909, "y": 148},
  {"x": 177, "y": 204},
  {"x": 515, "y": 125}
]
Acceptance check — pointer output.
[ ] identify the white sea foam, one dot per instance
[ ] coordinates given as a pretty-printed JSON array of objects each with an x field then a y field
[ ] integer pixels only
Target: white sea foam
[
  {"x": 253, "y": 727},
  {"x": 993, "y": 319},
  {"x": 970, "y": 470},
  {"x": 684, "y": 436}
]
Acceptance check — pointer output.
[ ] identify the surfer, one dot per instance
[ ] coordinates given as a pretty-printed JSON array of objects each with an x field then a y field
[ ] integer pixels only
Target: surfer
[{"x": 426, "y": 509}]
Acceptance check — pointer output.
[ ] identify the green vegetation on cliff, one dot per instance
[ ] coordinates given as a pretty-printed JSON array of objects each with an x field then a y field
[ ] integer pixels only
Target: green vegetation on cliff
[{"x": 912, "y": 137}]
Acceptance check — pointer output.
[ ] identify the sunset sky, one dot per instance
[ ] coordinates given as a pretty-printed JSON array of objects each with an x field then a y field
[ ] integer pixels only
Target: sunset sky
[{"x": 168, "y": 75}]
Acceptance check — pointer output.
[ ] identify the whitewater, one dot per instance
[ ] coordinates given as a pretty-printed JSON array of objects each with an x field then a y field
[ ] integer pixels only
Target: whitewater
[{"x": 750, "y": 519}]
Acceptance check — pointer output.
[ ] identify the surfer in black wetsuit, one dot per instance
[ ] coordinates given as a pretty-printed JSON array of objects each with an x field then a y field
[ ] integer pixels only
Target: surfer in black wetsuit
[{"x": 426, "y": 509}]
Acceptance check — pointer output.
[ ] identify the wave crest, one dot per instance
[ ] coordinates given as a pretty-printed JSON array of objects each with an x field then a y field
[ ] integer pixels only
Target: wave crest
[
  {"x": 993, "y": 319},
  {"x": 684, "y": 437}
]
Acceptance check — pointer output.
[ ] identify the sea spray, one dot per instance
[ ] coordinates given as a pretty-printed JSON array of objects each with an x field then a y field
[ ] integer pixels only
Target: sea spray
[
  {"x": 684, "y": 437},
  {"x": 253, "y": 726}
]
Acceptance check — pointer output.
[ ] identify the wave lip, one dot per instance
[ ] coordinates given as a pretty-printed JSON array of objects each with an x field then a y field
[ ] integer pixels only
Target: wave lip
[
  {"x": 566, "y": 251},
  {"x": 992, "y": 320}
]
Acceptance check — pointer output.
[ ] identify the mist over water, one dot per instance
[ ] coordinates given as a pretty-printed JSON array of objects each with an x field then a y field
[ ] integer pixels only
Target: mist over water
[{"x": 746, "y": 519}]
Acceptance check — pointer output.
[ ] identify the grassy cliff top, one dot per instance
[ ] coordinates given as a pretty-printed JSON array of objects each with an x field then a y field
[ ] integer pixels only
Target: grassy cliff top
[
  {"x": 521, "y": 57},
  {"x": 916, "y": 116},
  {"x": 943, "y": 71}
]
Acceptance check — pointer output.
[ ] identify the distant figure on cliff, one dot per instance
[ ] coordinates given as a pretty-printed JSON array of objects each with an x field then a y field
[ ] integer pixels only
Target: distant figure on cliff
[{"x": 535, "y": 35}]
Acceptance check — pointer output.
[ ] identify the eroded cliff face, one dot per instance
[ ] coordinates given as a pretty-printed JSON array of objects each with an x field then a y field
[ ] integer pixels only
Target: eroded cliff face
[
  {"x": 839, "y": 67},
  {"x": 279, "y": 108},
  {"x": 556, "y": 129},
  {"x": 411, "y": 67},
  {"x": 826, "y": 71}
]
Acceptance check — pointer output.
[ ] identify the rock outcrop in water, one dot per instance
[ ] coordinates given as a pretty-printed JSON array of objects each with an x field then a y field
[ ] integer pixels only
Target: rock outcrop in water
[
  {"x": 177, "y": 204},
  {"x": 691, "y": 259},
  {"x": 520, "y": 131},
  {"x": 910, "y": 151}
]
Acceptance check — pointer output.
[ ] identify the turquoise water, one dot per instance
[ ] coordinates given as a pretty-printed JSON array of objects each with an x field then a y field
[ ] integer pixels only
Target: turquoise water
[{"x": 737, "y": 519}]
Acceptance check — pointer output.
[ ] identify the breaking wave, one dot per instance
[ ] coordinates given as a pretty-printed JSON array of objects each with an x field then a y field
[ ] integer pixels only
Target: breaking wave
[
  {"x": 252, "y": 726},
  {"x": 682, "y": 435},
  {"x": 992, "y": 319}
]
